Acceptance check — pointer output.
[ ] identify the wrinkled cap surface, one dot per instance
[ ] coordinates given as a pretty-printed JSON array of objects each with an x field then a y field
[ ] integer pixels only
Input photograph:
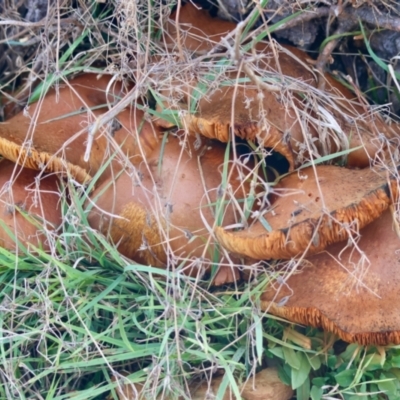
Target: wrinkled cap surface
[
  {"x": 53, "y": 134},
  {"x": 165, "y": 210},
  {"x": 242, "y": 112},
  {"x": 351, "y": 292},
  {"x": 314, "y": 208},
  {"x": 284, "y": 118}
]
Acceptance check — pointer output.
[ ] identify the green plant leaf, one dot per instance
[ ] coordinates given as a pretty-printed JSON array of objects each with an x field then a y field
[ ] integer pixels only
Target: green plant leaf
[
  {"x": 388, "y": 386},
  {"x": 277, "y": 351},
  {"x": 319, "y": 381},
  {"x": 283, "y": 374},
  {"x": 314, "y": 361},
  {"x": 381, "y": 63},
  {"x": 303, "y": 392},
  {"x": 395, "y": 361},
  {"x": 375, "y": 361},
  {"x": 291, "y": 357},
  {"x": 300, "y": 375},
  {"x": 332, "y": 361},
  {"x": 346, "y": 377},
  {"x": 316, "y": 393}
]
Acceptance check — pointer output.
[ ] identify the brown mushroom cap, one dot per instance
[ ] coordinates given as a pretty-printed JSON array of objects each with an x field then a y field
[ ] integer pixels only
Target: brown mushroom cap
[
  {"x": 197, "y": 30},
  {"x": 214, "y": 119},
  {"x": 253, "y": 112},
  {"x": 51, "y": 138},
  {"x": 265, "y": 385},
  {"x": 27, "y": 203},
  {"x": 353, "y": 292},
  {"x": 314, "y": 211},
  {"x": 166, "y": 212}
]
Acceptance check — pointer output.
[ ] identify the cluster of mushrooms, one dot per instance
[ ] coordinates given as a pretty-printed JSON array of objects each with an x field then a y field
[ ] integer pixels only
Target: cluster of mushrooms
[{"x": 158, "y": 196}]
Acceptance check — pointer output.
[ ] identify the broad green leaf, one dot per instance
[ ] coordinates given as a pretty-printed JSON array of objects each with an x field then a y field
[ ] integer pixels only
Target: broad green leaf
[
  {"x": 350, "y": 351},
  {"x": 303, "y": 392},
  {"x": 375, "y": 361},
  {"x": 388, "y": 386},
  {"x": 319, "y": 381},
  {"x": 395, "y": 361},
  {"x": 300, "y": 375},
  {"x": 346, "y": 377},
  {"x": 283, "y": 374},
  {"x": 332, "y": 361},
  {"x": 277, "y": 351},
  {"x": 314, "y": 361},
  {"x": 316, "y": 393},
  {"x": 291, "y": 357}
]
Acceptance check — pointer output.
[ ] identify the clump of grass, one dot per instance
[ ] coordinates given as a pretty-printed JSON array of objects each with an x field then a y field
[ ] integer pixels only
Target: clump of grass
[{"x": 71, "y": 324}]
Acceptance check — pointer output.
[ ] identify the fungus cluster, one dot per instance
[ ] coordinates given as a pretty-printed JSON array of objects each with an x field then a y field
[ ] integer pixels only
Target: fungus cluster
[
  {"x": 163, "y": 198},
  {"x": 351, "y": 291},
  {"x": 169, "y": 207},
  {"x": 313, "y": 208}
]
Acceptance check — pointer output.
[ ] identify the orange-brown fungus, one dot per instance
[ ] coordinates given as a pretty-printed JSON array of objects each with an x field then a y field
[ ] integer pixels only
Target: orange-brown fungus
[
  {"x": 283, "y": 113},
  {"x": 29, "y": 205},
  {"x": 160, "y": 216},
  {"x": 313, "y": 211},
  {"x": 353, "y": 292},
  {"x": 265, "y": 385},
  {"x": 55, "y": 134},
  {"x": 196, "y": 30}
]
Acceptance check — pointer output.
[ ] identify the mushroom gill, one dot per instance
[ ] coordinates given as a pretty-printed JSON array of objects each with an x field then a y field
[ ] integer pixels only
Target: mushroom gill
[
  {"x": 313, "y": 208},
  {"x": 352, "y": 291},
  {"x": 163, "y": 212},
  {"x": 29, "y": 206},
  {"x": 53, "y": 133},
  {"x": 271, "y": 96}
]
